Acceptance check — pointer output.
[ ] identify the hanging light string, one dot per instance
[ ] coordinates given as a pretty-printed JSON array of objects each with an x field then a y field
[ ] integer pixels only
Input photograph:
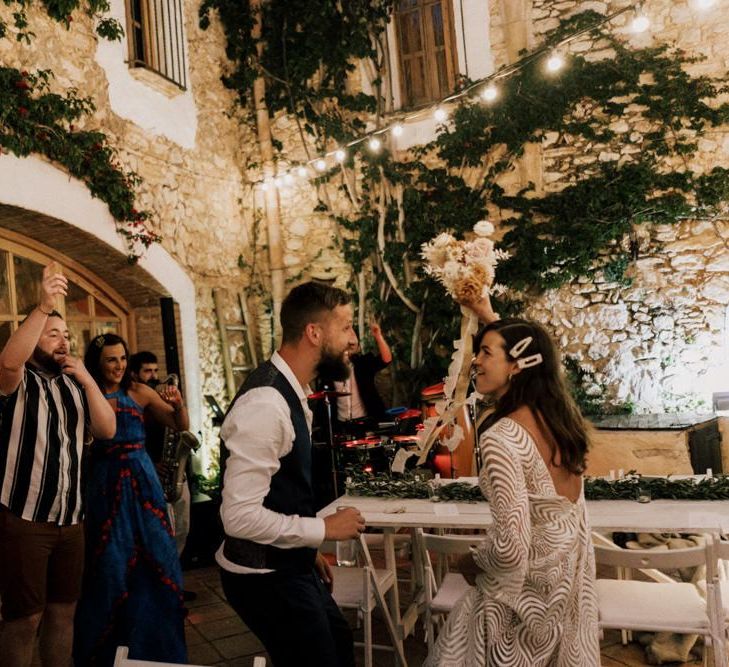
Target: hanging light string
[{"x": 489, "y": 92}]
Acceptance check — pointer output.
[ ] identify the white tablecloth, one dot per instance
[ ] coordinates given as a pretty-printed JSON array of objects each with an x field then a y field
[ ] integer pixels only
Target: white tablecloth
[{"x": 608, "y": 515}]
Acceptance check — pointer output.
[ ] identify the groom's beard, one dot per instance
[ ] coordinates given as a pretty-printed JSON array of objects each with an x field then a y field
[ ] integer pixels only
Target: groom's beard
[
  {"x": 46, "y": 362},
  {"x": 152, "y": 382},
  {"x": 332, "y": 366}
]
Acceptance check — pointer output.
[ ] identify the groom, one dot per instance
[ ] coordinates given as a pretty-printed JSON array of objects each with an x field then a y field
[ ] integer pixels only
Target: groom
[{"x": 272, "y": 574}]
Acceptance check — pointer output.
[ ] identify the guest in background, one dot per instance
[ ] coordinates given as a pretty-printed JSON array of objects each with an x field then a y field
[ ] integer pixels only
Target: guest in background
[
  {"x": 533, "y": 602},
  {"x": 132, "y": 592},
  {"x": 362, "y": 400},
  {"x": 49, "y": 400},
  {"x": 144, "y": 369}
]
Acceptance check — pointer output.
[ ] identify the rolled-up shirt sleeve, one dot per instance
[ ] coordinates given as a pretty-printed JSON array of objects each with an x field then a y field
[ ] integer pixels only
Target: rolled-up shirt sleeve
[{"x": 258, "y": 433}]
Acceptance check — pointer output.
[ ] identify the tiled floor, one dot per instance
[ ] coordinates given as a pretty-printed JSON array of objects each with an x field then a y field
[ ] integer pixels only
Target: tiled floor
[{"x": 215, "y": 635}]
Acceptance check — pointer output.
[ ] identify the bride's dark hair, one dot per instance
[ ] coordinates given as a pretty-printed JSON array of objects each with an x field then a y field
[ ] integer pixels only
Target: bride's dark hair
[{"x": 543, "y": 389}]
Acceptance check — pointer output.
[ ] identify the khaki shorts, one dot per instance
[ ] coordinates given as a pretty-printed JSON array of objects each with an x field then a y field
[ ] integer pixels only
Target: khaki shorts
[{"x": 39, "y": 563}]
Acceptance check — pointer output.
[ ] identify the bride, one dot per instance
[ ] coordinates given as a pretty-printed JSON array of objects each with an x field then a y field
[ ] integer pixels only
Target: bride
[{"x": 533, "y": 602}]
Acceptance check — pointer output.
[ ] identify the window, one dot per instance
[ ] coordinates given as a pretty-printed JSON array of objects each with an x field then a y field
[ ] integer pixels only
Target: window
[
  {"x": 156, "y": 39},
  {"x": 427, "y": 50},
  {"x": 87, "y": 310}
]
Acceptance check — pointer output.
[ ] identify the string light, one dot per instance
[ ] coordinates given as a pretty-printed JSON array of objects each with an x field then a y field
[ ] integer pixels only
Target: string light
[
  {"x": 490, "y": 93},
  {"x": 555, "y": 62},
  {"x": 641, "y": 22},
  {"x": 374, "y": 144}
]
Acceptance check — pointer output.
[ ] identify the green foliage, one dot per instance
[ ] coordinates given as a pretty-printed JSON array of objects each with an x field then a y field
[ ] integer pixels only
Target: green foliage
[
  {"x": 309, "y": 46},
  {"x": 35, "y": 120},
  {"x": 415, "y": 485},
  {"x": 589, "y": 394},
  {"x": 62, "y": 11}
]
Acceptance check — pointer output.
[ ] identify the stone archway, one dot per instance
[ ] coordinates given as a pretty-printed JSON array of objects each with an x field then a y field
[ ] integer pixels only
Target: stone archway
[{"x": 45, "y": 205}]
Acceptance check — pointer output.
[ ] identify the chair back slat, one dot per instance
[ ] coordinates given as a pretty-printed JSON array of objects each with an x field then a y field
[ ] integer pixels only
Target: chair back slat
[
  {"x": 450, "y": 544},
  {"x": 657, "y": 559}
]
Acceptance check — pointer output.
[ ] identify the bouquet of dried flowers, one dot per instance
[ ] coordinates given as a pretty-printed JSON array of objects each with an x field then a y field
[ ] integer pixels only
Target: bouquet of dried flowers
[{"x": 465, "y": 268}]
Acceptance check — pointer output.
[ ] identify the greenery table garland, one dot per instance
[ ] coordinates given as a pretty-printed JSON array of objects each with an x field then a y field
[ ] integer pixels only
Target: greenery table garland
[{"x": 413, "y": 485}]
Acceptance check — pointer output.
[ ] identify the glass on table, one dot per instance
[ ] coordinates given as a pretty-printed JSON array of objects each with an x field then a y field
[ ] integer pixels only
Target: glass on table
[
  {"x": 346, "y": 549},
  {"x": 643, "y": 494}
]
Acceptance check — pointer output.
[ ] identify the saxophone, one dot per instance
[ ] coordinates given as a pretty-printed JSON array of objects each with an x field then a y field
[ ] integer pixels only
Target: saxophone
[{"x": 176, "y": 449}]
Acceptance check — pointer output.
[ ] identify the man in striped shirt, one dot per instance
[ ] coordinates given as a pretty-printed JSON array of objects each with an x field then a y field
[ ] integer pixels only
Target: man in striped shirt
[{"x": 49, "y": 404}]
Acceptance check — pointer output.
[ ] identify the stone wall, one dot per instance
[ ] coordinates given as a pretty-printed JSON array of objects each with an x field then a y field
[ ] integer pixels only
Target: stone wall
[
  {"x": 661, "y": 343},
  {"x": 658, "y": 344}
]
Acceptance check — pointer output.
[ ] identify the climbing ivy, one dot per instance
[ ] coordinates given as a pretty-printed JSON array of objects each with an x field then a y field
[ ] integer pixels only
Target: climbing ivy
[
  {"x": 35, "y": 120},
  {"x": 553, "y": 237}
]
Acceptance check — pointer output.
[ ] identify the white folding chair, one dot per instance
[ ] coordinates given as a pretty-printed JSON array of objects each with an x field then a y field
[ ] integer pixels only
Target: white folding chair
[
  {"x": 441, "y": 596},
  {"x": 362, "y": 589},
  {"x": 651, "y": 606},
  {"x": 121, "y": 659}
]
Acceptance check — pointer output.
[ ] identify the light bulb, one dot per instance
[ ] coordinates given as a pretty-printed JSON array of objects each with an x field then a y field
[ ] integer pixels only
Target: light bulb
[
  {"x": 490, "y": 93},
  {"x": 288, "y": 179},
  {"x": 397, "y": 130},
  {"x": 278, "y": 181},
  {"x": 302, "y": 172},
  {"x": 704, "y": 4},
  {"x": 440, "y": 115},
  {"x": 320, "y": 164},
  {"x": 374, "y": 144},
  {"x": 340, "y": 155},
  {"x": 264, "y": 186},
  {"x": 640, "y": 23},
  {"x": 555, "y": 62}
]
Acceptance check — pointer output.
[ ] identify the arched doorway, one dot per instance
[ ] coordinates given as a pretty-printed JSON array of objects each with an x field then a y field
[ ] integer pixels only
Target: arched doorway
[{"x": 92, "y": 307}]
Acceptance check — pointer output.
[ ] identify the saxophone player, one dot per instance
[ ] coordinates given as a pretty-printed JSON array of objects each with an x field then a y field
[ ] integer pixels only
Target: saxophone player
[{"x": 144, "y": 368}]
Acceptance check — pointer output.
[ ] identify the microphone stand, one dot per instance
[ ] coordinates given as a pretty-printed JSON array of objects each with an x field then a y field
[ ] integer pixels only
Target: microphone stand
[{"x": 330, "y": 433}]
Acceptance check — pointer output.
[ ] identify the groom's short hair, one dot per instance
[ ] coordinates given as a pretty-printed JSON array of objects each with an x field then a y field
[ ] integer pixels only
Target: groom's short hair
[{"x": 307, "y": 303}]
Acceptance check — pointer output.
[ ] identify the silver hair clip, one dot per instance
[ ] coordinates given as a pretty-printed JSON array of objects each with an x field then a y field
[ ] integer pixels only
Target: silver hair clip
[
  {"x": 531, "y": 360},
  {"x": 516, "y": 351}
]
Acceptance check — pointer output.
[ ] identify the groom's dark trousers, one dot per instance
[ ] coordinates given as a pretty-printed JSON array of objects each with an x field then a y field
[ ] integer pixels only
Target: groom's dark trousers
[{"x": 294, "y": 616}]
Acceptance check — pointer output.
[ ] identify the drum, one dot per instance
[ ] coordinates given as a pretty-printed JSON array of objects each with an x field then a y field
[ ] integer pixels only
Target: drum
[
  {"x": 408, "y": 422},
  {"x": 459, "y": 462}
]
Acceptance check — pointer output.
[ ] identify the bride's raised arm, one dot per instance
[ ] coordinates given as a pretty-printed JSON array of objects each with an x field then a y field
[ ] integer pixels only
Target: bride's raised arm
[{"x": 483, "y": 309}]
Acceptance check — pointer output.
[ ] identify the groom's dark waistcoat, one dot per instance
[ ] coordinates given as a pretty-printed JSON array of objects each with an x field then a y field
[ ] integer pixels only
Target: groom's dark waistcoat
[{"x": 291, "y": 489}]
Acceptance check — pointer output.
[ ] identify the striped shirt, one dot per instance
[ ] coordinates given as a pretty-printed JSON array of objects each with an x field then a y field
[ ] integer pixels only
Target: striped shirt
[{"x": 42, "y": 427}]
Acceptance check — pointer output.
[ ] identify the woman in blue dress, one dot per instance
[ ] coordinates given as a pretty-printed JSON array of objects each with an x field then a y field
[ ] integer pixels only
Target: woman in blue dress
[{"x": 132, "y": 593}]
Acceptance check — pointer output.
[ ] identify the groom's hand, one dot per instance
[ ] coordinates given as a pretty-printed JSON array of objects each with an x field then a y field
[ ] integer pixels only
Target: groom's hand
[{"x": 345, "y": 524}]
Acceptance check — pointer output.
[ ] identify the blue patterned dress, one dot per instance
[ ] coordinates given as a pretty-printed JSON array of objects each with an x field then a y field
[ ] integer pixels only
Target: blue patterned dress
[{"x": 132, "y": 593}]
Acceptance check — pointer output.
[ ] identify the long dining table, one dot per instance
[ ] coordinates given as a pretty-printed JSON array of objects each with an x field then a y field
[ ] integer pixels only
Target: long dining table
[{"x": 393, "y": 514}]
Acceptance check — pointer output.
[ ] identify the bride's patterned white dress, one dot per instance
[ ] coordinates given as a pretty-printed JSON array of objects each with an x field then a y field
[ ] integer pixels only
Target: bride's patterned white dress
[{"x": 535, "y": 602}]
